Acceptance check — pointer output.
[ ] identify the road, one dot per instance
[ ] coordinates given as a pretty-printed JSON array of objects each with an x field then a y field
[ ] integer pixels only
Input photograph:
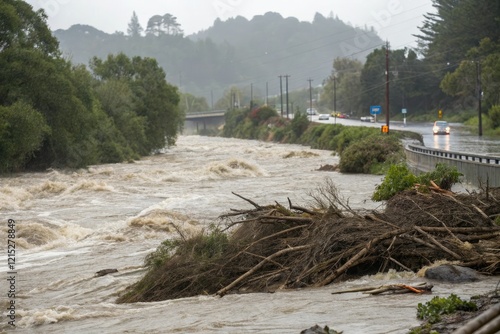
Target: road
[{"x": 460, "y": 139}]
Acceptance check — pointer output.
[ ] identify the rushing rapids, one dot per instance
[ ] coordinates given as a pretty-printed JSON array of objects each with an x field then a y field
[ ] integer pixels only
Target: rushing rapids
[{"x": 72, "y": 224}]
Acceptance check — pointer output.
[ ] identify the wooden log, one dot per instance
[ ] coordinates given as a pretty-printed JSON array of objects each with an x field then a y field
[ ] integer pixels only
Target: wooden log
[
  {"x": 358, "y": 256},
  {"x": 490, "y": 315},
  {"x": 224, "y": 290},
  {"x": 437, "y": 243}
]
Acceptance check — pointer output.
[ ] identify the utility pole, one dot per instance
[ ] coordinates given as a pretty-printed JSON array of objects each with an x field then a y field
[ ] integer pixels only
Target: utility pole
[
  {"x": 387, "y": 85},
  {"x": 281, "y": 95},
  {"x": 335, "y": 95},
  {"x": 310, "y": 97},
  {"x": 267, "y": 92},
  {"x": 212, "y": 98},
  {"x": 479, "y": 96},
  {"x": 286, "y": 77},
  {"x": 251, "y": 96}
]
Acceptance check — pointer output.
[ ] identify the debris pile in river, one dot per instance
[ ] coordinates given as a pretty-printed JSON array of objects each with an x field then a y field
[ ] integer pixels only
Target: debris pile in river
[{"x": 271, "y": 247}]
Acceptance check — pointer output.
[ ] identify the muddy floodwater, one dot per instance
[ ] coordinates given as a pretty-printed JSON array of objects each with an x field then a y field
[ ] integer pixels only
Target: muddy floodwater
[{"x": 71, "y": 224}]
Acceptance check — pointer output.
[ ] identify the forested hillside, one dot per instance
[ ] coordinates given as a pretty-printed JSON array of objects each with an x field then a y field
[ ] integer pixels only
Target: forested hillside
[{"x": 237, "y": 52}]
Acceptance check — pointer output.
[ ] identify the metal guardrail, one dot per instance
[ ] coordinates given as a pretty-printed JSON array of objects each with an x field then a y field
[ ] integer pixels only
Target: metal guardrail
[
  {"x": 477, "y": 169},
  {"x": 210, "y": 113},
  {"x": 455, "y": 155}
]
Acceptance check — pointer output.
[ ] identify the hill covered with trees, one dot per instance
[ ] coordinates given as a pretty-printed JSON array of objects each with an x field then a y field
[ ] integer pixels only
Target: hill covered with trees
[{"x": 236, "y": 52}]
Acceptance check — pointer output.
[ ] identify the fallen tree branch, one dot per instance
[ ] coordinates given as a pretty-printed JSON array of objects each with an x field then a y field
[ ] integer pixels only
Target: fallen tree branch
[
  {"x": 358, "y": 256},
  {"x": 223, "y": 291},
  {"x": 437, "y": 243}
]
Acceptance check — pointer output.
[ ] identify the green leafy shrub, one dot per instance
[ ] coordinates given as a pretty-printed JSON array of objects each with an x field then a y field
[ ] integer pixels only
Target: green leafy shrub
[
  {"x": 259, "y": 115},
  {"x": 443, "y": 175},
  {"x": 438, "y": 306},
  {"x": 494, "y": 114},
  {"x": 372, "y": 155},
  {"x": 203, "y": 246},
  {"x": 397, "y": 179}
]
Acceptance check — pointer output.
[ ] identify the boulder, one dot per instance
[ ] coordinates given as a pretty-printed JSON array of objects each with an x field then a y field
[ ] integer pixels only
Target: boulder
[{"x": 452, "y": 273}]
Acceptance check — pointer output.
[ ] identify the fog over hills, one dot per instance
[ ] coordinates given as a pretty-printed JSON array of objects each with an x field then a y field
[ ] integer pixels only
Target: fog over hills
[{"x": 236, "y": 52}]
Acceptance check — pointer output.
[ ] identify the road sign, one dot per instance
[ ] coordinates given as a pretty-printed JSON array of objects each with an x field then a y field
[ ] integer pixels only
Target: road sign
[
  {"x": 403, "y": 110},
  {"x": 385, "y": 129},
  {"x": 375, "y": 110}
]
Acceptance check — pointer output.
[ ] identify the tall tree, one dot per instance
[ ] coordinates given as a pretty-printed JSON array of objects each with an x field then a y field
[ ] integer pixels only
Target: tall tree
[
  {"x": 22, "y": 26},
  {"x": 134, "y": 27},
  {"x": 342, "y": 88},
  {"x": 171, "y": 25},
  {"x": 154, "y": 101},
  {"x": 457, "y": 26},
  {"x": 155, "y": 25}
]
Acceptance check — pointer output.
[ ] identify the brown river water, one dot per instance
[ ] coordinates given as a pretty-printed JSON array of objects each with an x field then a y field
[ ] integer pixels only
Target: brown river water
[{"x": 71, "y": 224}]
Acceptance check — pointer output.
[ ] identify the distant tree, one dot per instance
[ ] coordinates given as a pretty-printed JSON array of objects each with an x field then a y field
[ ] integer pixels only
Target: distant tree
[
  {"x": 171, "y": 25},
  {"x": 155, "y": 25},
  {"x": 191, "y": 103},
  {"x": 230, "y": 100},
  {"x": 344, "y": 86},
  {"x": 134, "y": 27},
  {"x": 166, "y": 24}
]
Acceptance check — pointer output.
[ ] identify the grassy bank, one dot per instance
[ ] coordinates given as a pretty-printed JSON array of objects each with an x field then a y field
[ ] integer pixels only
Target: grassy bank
[{"x": 361, "y": 149}]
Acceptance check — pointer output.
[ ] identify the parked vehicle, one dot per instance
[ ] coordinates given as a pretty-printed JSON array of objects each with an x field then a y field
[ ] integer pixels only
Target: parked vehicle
[
  {"x": 441, "y": 128},
  {"x": 339, "y": 115},
  {"x": 312, "y": 111},
  {"x": 368, "y": 119},
  {"x": 323, "y": 117}
]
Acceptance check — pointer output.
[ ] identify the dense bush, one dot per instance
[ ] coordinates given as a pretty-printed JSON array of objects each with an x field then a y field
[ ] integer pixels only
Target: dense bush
[
  {"x": 371, "y": 155},
  {"x": 400, "y": 178},
  {"x": 22, "y": 130}
]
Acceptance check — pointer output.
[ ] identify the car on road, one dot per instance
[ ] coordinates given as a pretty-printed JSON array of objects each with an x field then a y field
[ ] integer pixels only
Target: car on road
[
  {"x": 441, "y": 128},
  {"x": 323, "y": 117},
  {"x": 368, "y": 119},
  {"x": 339, "y": 115},
  {"x": 311, "y": 111}
]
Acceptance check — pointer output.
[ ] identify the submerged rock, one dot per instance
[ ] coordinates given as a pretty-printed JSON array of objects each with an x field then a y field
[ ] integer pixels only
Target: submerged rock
[{"x": 452, "y": 273}]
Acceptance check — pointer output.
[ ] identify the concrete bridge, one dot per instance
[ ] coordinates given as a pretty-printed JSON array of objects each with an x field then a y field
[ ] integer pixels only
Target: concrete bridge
[
  {"x": 479, "y": 170},
  {"x": 196, "y": 122}
]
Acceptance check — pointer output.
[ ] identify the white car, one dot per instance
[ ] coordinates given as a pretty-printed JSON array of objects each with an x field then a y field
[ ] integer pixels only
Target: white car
[
  {"x": 323, "y": 117},
  {"x": 441, "y": 128},
  {"x": 368, "y": 119},
  {"x": 311, "y": 111}
]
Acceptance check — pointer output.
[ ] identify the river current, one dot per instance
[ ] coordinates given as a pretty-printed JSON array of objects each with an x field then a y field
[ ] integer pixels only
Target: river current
[{"x": 71, "y": 224}]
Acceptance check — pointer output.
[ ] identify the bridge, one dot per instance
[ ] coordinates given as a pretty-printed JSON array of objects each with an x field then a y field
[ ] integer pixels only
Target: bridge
[
  {"x": 479, "y": 170},
  {"x": 203, "y": 120}
]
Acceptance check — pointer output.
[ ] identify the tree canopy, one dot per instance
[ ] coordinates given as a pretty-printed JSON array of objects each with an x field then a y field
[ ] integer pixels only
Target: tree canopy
[{"x": 56, "y": 114}]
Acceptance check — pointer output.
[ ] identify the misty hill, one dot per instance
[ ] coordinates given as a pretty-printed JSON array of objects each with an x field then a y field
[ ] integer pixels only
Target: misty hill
[{"x": 234, "y": 52}]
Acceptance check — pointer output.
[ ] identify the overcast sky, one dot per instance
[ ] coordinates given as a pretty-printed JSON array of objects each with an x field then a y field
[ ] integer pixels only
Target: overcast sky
[{"x": 394, "y": 20}]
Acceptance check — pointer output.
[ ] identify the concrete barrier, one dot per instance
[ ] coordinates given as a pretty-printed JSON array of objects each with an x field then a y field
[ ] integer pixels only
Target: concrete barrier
[{"x": 479, "y": 170}]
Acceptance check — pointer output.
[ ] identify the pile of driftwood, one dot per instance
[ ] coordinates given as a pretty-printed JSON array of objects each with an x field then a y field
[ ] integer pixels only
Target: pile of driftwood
[{"x": 278, "y": 246}]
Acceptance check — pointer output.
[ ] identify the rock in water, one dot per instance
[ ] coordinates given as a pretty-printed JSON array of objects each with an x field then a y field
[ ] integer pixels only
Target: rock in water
[
  {"x": 452, "y": 273},
  {"x": 318, "y": 330},
  {"x": 105, "y": 272}
]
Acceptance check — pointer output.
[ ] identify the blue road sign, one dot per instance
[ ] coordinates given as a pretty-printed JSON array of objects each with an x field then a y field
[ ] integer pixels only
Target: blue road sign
[{"x": 375, "y": 110}]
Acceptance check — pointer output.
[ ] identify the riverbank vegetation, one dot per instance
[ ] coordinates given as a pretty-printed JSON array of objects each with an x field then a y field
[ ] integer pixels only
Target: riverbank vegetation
[
  {"x": 56, "y": 114},
  {"x": 361, "y": 149}
]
